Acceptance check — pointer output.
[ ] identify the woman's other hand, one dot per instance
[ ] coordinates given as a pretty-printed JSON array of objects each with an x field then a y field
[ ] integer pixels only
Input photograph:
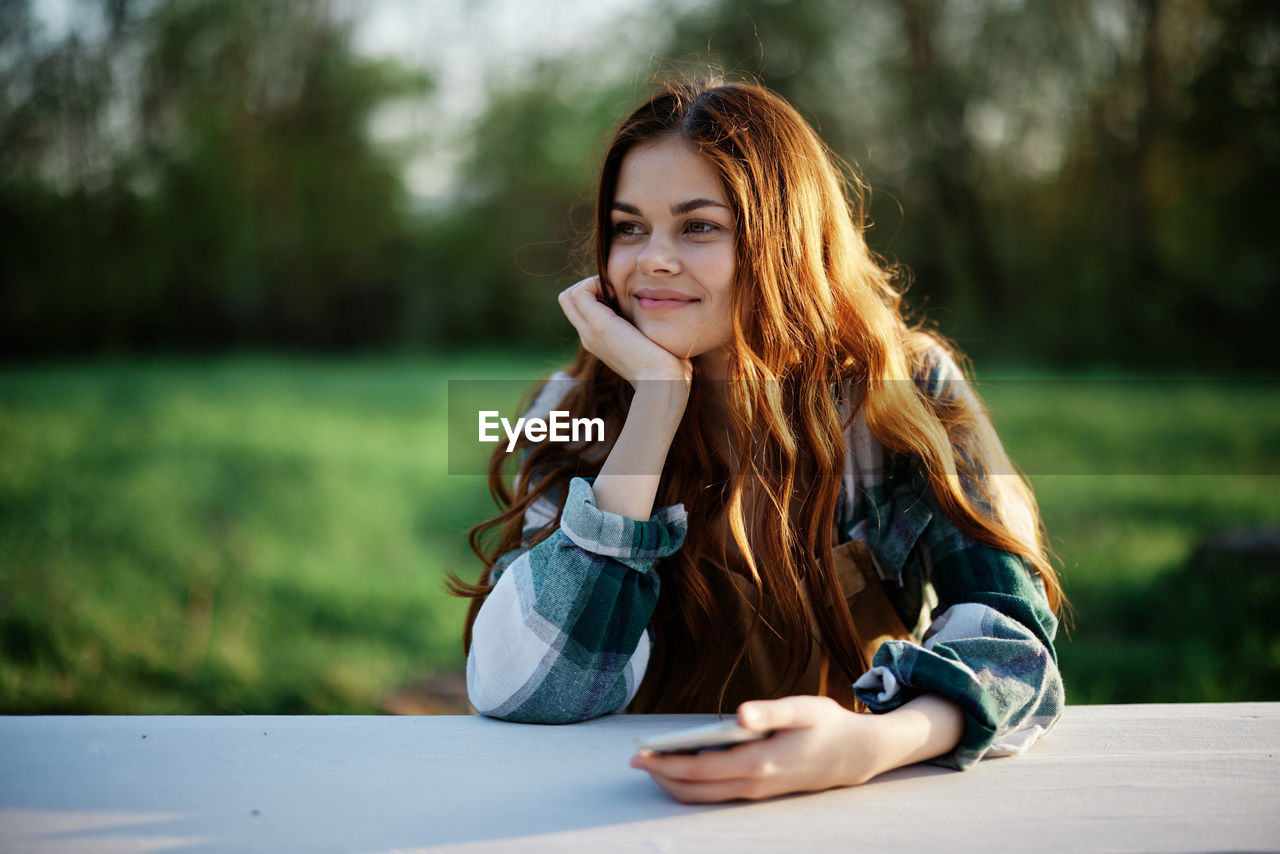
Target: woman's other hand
[
  {"x": 816, "y": 744},
  {"x": 615, "y": 341}
]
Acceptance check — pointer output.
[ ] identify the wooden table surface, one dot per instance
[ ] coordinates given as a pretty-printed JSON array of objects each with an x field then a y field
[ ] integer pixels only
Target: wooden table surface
[{"x": 1172, "y": 778}]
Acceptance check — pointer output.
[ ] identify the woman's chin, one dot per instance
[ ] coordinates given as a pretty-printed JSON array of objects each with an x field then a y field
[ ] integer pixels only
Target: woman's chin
[
  {"x": 664, "y": 337},
  {"x": 679, "y": 343}
]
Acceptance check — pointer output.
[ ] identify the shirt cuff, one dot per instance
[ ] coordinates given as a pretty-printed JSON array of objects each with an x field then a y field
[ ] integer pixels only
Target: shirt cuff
[
  {"x": 904, "y": 671},
  {"x": 627, "y": 540}
]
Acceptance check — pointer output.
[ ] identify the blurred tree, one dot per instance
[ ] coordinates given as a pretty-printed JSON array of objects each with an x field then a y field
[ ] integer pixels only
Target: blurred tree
[
  {"x": 1168, "y": 186},
  {"x": 891, "y": 87},
  {"x": 1073, "y": 182},
  {"x": 199, "y": 174},
  {"x": 514, "y": 237}
]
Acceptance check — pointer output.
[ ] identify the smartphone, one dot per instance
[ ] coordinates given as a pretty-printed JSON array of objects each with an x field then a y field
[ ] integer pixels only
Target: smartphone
[{"x": 717, "y": 736}]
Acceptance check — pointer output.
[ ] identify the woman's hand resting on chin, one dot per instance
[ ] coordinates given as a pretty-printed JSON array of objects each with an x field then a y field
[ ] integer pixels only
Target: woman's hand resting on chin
[{"x": 615, "y": 340}]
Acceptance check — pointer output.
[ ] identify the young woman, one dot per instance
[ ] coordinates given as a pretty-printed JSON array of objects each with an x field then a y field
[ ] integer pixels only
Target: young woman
[{"x": 800, "y": 510}]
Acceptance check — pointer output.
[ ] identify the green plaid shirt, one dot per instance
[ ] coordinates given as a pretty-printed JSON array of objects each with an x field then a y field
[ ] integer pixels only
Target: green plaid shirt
[{"x": 563, "y": 635}]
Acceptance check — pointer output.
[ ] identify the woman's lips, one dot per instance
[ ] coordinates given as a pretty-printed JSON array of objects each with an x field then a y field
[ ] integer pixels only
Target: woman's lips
[
  {"x": 661, "y": 299},
  {"x": 663, "y": 304}
]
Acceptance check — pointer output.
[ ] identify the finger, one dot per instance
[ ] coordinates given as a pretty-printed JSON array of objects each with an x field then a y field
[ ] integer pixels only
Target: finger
[
  {"x": 582, "y": 308},
  {"x": 599, "y": 288},
  {"x": 570, "y": 309},
  {"x": 744, "y": 761},
  {"x": 785, "y": 713},
  {"x": 589, "y": 285},
  {"x": 582, "y": 304},
  {"x": 715, "y": 791}
]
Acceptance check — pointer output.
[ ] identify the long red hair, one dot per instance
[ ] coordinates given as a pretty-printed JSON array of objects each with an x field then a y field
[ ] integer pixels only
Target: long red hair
[{"x": 817, "y": 318}]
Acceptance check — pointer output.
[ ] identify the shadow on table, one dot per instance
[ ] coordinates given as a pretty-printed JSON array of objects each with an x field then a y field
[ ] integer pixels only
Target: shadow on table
[{"x": 638, "y": 812}]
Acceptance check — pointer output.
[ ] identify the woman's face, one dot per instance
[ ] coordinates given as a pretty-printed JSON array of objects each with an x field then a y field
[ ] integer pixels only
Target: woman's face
[{"x": 672, "y": 252}]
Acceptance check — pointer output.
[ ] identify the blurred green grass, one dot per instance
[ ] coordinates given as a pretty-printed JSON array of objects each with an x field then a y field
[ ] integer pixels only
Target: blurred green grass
[{"x": 272, "y": 534}]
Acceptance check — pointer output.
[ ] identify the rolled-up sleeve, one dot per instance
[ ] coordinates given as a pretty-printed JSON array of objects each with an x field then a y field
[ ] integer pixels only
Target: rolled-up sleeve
[
  {"x": 989, "y": 649},
  {"x": 562, "y": 635}
]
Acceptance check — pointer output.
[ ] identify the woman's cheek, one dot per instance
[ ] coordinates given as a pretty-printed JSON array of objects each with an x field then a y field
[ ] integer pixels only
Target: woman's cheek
[{"x": 716, "y": 264}]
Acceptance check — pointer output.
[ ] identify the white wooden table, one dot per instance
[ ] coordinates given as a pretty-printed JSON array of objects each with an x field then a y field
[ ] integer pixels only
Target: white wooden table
[{"x": 1175, "y": 778}]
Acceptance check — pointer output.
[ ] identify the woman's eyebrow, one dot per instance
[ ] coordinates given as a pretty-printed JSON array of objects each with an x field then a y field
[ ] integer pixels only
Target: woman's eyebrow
[
  {"x": 676, "y": 209},
  {"x": 694, "y": 204}
]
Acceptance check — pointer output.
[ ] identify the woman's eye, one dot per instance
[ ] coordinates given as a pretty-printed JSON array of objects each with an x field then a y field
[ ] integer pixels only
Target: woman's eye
[
  {"x": 627, "y": 229},
  {"x": 700, "y": 227}
]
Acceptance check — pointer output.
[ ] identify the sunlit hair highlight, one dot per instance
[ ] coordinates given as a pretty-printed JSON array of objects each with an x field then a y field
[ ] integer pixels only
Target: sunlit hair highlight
[{"x": 818, "y": 334}]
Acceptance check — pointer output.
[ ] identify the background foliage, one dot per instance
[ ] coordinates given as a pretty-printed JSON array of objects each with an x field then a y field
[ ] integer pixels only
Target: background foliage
[
  {"x": 1076, "y": 182},
  {"x": 192, "y": 521},
  {"x": 267, "y": 534}
]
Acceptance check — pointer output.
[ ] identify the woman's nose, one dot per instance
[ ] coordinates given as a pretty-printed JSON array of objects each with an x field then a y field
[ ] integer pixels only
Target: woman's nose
[{"x": 658, "y": 256}]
